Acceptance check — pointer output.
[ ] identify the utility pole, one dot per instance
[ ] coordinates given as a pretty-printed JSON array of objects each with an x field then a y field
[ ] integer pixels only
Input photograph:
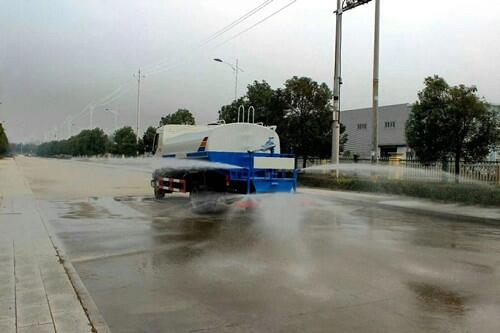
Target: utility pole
[
  {"x": 138, "y": 76},
  {"x": 375, "y": 82},
  {"x": 342, "y": 6},
  {"x": 91, "y": 117},
  {"x": 236, "y": 82},
  {"x": 336, "y": 86},
  {"x": 69, "y": 122}
]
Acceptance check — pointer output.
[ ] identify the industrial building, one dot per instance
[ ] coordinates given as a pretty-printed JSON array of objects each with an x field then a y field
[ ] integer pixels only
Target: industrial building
[
  {"x": 391, "y": 136},
  {"x": 391, "y": 125}
]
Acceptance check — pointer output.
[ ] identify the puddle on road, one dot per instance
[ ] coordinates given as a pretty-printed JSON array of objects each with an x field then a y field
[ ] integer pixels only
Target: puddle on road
[
  {"x": 86, "y": 210},
  {"x": 436, "y": 298},
  {"x": 128, "y": 198}
]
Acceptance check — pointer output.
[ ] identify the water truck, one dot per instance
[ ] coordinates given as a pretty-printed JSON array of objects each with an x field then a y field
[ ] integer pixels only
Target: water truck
[{"x": 219, "y": 161}]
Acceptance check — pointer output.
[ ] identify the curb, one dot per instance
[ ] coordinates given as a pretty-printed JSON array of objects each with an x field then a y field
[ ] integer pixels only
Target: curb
[
  {"x": 89, "y": 307},
  {"x": 386, "y": 203},
  {"x": 445, "y": 215},
  {"x": 92, "y": 313}
]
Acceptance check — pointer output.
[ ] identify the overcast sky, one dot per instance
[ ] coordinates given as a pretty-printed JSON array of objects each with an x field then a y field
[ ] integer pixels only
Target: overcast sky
[{"x": 57, "y": 56}]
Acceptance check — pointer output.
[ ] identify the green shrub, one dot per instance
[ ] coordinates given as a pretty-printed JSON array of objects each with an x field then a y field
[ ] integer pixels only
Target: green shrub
[{"x": 447, "y": 192}]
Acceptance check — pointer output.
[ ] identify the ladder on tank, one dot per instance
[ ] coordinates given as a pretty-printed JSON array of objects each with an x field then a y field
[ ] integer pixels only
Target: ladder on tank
[{"x": 250, "y": 111}]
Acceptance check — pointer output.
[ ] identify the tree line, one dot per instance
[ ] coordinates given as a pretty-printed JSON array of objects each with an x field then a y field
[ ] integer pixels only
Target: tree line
[
  {"x": 4, "y": 142},
  {"x": 446, "y": 122},
  {"x": 301, "y": 110},
  {"x": 94, "y": 142}
]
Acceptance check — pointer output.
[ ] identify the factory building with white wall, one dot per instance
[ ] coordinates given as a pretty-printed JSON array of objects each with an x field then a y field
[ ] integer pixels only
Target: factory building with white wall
[{"x": 391, "y": 126}]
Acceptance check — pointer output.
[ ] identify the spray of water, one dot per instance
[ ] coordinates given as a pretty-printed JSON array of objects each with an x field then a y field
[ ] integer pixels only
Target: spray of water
[
  {"x": 396, "y": 172},
  {"x": 162, "y": 165},
  {"x": 285, "y": 227},
  {"x": 173, "y": 164}
]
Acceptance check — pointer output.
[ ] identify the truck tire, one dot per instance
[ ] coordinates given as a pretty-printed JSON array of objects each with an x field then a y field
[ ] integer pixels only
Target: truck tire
[{"x": 159, "y": 194}]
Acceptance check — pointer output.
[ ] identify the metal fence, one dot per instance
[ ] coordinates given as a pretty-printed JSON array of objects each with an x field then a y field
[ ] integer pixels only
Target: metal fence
[{"x": 483, "y": 172}]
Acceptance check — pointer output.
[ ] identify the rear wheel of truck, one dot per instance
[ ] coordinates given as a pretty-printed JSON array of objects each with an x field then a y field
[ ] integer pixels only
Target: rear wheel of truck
[{"x": 159, "y": 193}]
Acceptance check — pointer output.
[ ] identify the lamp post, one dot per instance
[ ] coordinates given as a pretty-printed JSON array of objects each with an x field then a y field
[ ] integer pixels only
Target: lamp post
[
  {"x": 115, "y": 113},
  {"x": 91, "y": 114},
  {"x": 138, "y": 77},
  {"x": 342, "y": 6},
  {"x": 376, "y": 51},
  {"x": 235, "y": 69}
]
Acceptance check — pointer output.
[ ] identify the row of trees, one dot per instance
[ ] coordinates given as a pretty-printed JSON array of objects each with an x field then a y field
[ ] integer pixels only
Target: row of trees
[
  {"x": 452, "y": 122},
  {"x": 122, "y": 142},
  {"x": 302, "y": 110},
  {"x": 95, "y": 142},
  {"x": 447, "y": 122},
  {"x": 4, "y": 142}
]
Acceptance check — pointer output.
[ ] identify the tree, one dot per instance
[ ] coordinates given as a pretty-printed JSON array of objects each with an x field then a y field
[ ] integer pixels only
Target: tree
[
  {"x": 229, "y": 113},
  {"x": 4, "y": 142},
  {"x": 265, "y": 100},
  {"x": 148, "y": 138},
  {"x": 451, "y": 122},
  {"x": 308, "y": 117},
  {"x": 179, "y": 117},
  {"x": 273, "y": 106},
  {"x": 124, "y": 142},
  {"x": 87, "y": 142}
]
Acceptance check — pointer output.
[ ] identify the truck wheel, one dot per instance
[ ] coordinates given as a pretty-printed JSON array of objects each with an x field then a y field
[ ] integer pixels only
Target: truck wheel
[{"x": 159, "y": 194}]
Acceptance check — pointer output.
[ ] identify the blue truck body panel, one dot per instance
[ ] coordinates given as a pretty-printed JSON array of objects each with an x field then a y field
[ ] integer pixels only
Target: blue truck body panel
[{"x": 257, "y": 180}]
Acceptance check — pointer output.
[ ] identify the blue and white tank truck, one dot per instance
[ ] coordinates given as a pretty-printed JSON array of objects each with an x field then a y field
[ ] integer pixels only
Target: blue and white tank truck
[{"x": 211, "y": 162}]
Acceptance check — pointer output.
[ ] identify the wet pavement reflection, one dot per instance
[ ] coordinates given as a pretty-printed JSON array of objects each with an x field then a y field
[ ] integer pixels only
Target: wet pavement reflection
[{"x": 292, "y": 264}]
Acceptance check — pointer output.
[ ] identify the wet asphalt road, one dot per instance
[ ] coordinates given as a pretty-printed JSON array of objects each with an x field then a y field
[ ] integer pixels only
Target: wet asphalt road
[{"x": 298, "y": 263}]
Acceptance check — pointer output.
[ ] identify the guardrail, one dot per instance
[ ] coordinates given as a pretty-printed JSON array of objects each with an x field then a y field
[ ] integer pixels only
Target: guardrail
[{"x": 483, "y": 172}]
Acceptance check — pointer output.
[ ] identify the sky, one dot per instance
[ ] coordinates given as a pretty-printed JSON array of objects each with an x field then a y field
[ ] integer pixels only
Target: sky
[{"x": 59, "y": 56}]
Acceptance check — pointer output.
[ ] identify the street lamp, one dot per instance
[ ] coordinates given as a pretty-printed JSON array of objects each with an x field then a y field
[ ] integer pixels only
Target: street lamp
[
  {"x": 342, "y": 6},
  {"x": 138, "y": 77},
  {"x": 115, "y": 113},
  {"x": 235, "y": 69},
  {"x": 376, "y": 52}
]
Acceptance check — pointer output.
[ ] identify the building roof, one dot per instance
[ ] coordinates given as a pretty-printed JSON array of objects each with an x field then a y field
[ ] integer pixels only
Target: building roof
[{"x": 392, "y": 107}]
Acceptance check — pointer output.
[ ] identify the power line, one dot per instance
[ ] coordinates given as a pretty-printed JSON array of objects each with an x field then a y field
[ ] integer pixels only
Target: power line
[
  {"x": 152, "y": 70},
  {"x": 241, "y": 19},
  {"x": 257, "y": 23},
  {"x": 160, "y": 67},
  {"x": 149, "y": 69},
  {"x": 181, "y": 62}
]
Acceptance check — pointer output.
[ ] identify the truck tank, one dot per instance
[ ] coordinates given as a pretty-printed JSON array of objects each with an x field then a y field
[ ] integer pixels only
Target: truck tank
[
  {"x": 180, "y": 140},
  {"x": 243, "y": 158}
]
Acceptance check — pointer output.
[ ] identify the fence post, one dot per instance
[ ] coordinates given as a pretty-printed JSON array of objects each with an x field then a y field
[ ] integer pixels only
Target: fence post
[{"x": 498, "y": 174}]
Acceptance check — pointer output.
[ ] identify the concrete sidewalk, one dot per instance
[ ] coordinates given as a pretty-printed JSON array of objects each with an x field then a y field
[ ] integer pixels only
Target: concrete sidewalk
[
  {"x": 416, "y": 205},
  {"x": 36, "y": 293}
]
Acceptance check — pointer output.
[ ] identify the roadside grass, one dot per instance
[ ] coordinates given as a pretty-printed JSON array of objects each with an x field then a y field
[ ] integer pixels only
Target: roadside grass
[{"x": 472, "y": 194}]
